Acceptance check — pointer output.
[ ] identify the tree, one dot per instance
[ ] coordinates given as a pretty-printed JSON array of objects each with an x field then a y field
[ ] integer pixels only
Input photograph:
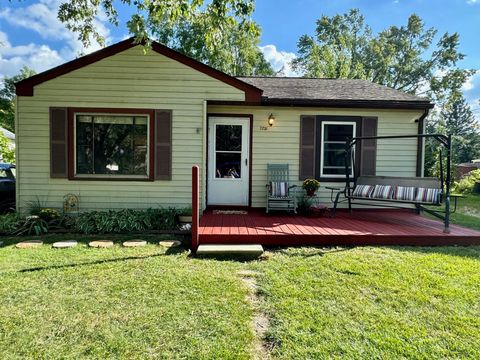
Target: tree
[
  {"x": 79, "y": 16},
  {"x": 404, "y": 58},
  {"x": 7, "y": 153},
  {"x": 338, "y": 48},
  {"x": 455, "y": 118},
  {"x": 235, "y": 52},
  {"x": 7, "y": 98}
]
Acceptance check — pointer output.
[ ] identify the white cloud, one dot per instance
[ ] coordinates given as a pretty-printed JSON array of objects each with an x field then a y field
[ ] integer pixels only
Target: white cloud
[
  {"x": 471, "y": 2},
  {"x": 471, "y": 82},
  {"x": 41, "y": 18},
  {"x": 280, "y": 60},
  {"x": 37, "y": 57}
]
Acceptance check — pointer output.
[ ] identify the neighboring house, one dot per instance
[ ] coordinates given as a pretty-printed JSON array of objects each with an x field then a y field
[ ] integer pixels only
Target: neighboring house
[
  {"x": 122, "y": 130},
  {"x": 11, "y": 139},
  {"x": 463, "y": 169}
]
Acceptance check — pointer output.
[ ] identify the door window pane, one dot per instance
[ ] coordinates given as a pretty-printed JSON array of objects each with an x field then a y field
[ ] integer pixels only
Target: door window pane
[
  {"x": 228, "y": 165},
  {"x": 228, "y": 138}
]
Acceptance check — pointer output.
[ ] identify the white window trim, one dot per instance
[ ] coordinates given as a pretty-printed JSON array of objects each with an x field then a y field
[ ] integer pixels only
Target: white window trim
[
  {"x": 322, "y": 152},
  {"x": 109, "y": 176}
]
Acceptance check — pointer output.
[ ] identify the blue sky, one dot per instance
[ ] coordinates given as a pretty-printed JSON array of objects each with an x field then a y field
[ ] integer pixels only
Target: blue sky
[{"x": 31, "y": 35}]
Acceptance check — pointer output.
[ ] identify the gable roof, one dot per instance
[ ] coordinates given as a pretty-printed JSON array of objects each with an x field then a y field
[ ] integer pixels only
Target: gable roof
[
  {"x": 333, "y": 92},
  {"x": 25, "y": 87}
]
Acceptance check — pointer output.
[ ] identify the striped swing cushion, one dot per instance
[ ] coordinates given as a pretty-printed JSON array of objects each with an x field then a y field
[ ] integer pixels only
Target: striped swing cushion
[
  {"x": 364, "y": 191},
  {"x": 427, "y": 195},
  {"x": 406, "y": 193},
  {"x": 382, "y": 192},
  {"x": 279, "y": 189}
]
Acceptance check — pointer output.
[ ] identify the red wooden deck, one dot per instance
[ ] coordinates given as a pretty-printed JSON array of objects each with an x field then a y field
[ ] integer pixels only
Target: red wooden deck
[{"x": 361, "y": 227}]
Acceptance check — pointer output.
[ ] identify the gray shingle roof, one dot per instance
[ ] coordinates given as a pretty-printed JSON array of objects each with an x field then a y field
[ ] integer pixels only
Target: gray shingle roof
[{"x": 304, "y": 90}]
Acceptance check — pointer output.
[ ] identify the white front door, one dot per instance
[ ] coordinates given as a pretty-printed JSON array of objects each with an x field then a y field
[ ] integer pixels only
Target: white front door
[{"x": 228, "y": 157}]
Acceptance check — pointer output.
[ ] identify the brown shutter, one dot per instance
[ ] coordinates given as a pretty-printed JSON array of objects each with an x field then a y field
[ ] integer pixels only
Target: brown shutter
[
  {"x": 163, "y": 144},
  {"x": 368, "y": 148},
  {"x": 58, "y": 143},
  {"x": 307, "y": 147}
]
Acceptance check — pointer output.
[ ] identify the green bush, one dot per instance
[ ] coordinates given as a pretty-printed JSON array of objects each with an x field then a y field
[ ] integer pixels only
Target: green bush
[
  {"x": 31, "y": 225},
  {"x": 125, "y": 221},
  {"x": 9, "y": 223},
  {"x": 466, "y": 184}
]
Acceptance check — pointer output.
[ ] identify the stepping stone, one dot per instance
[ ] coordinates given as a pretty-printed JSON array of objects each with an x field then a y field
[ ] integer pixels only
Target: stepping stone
[
  {"x": 29, "y": 244},
  {"x": 170, "y": 243},
  {"x": 134, "y": 243},
  {"x": 64, "y": 244},
  {"x": 100, "y": 243},
  {"x": 251, "y": 250}
]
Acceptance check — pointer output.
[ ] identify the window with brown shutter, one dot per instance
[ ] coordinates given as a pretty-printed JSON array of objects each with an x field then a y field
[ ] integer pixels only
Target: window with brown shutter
[
  {"x": 322, "y": 146},
  {"x": 113, "y": 144}
]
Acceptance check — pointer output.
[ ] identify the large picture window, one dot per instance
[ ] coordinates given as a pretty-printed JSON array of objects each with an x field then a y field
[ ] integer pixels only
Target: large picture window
[
  {"x": 109, "y": 145},
  {"x": 334, "y": 136}
]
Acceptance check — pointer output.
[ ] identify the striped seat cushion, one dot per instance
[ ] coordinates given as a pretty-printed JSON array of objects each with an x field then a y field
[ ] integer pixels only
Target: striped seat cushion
[
  {"x": 382, "y": 192},
  {"x": 364, "y": 191},
  {"x": 406, "y": 193},
  {"x": 428, "y": 195},
  {"x": 279, "y": 189}
]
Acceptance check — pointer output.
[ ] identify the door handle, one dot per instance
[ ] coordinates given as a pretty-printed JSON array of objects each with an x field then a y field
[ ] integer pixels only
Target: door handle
[{"x": 246, "y": 161}]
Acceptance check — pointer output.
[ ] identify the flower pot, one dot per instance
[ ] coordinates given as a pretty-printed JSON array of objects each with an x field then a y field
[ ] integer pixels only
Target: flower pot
[
  {"x": 311, "y": 192},
  {"x": 185, "y": 219}
]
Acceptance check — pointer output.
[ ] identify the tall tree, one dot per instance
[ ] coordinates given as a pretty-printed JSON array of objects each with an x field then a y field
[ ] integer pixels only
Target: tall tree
[
  {"x": 404, "y": 57},
  {"x": 337, "y": 49},
  {"x": 7, "y": 98},
  {"x": 235, "y": 51}
]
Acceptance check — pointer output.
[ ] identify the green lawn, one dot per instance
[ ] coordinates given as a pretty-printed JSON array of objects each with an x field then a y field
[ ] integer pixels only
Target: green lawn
[
  {"x": 352, "y": 303},
  {"x": 468, "y": 212}
]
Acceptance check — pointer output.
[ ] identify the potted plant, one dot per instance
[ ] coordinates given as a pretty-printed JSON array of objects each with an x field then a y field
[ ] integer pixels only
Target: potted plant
[
  {"x": 185, "y": 215},
  {"x": 311, "y": 186}
]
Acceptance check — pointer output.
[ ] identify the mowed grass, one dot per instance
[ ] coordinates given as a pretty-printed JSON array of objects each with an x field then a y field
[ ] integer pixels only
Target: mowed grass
[
  {"x": 352, "y": 303},
  {"x": 120, "y": 303},
  {"x": 373, "y": 303},
  {"x": 468, "y": 212}
]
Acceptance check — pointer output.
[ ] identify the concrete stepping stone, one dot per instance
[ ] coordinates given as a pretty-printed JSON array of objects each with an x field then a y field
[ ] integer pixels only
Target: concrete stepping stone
[
  {"x": 134, "y": 243},
  {"x": 170, "y": 243},
  {"x": 64, "y": 244},
  {"x": 100, "y": 243},
  {"x": 253, "y": 250},
  {"x": 29, "y": 244}
]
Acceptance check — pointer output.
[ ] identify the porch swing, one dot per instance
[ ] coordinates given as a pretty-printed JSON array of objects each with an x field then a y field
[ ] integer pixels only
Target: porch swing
[{"x": 418, "y": 191}]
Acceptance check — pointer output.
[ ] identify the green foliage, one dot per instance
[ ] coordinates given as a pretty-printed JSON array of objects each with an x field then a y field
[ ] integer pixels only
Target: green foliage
[
  {"x": 7, "y": 98},
  {"x": 7, "y": 153},
  {"x": 79, "y": 16},
  {"x": 466, "y": 184},
  {"x": 125, "y": 221},
  {"x": 49, "y": 214},
  {"x": 9, "y": 222},
  {"x": 404, "y": 57},
  {"x": 35, "y": 206},
  {"x": 31, "y": 225},
  {"x": 235, "y": 50}
]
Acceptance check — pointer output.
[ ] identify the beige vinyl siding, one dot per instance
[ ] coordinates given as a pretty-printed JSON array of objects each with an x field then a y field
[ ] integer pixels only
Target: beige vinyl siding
[
  {"x": 280, "y": 143},
  {"x": 126, "y": 80}
]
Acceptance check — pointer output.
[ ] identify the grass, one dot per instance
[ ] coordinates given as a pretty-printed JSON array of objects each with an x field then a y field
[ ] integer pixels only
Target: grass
[
  {"x": 120, "y": 303},
  {"x": 468, "y": 212},
  {"x": 374, "y": 303},
  {"x": 129, "y": 303}
]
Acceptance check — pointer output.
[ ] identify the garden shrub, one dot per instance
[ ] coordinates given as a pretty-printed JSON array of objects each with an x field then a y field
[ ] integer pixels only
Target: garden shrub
[
  {"x": 466, "y": 184},
  {"x": 9, "y": 223},
  {"x": 125, "y": 221}
]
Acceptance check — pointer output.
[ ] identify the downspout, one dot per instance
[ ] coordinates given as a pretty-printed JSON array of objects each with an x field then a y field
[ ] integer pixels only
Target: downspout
[
  {"x": 204, "y": 156},
  {"x": 421, "y": 144}
]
